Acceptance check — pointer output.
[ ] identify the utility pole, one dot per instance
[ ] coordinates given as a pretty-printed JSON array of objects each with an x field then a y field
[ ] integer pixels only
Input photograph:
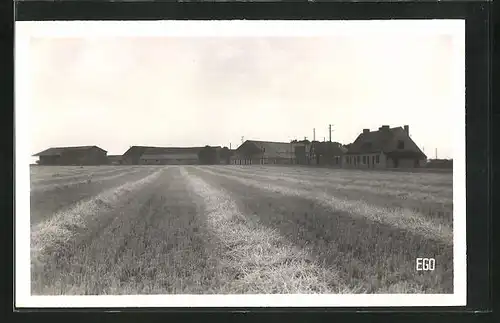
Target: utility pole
[
  {"x": 330, "y": 131},
  {"x": 436, "y": 153},
  {"x": 314, "y": 134}
]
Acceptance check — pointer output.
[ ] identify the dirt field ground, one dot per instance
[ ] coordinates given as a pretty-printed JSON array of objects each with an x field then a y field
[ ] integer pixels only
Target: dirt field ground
[{"x": 238, "y": 229}]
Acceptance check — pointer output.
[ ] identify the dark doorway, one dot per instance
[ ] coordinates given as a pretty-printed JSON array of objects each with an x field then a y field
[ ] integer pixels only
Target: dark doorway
[{"x": 396, "y": 163}]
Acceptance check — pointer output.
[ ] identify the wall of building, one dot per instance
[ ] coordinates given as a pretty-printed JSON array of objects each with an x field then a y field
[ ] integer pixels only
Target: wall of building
[
  {"x": 94, "y": 157},
  {"x": 370, "y": 161},
  {"x": 333, "y": 161},
  {"x": 168, "y": 162},
  {"x": 261, "y": 160},
  {"x": 405, "y": 163},
  {"x": 48, "y": 160},
  {"x": 85, "y": 157}
]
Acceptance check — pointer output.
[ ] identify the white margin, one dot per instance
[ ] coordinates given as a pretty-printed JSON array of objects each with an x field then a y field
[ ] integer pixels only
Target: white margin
[{"x": 26, "y": 30}]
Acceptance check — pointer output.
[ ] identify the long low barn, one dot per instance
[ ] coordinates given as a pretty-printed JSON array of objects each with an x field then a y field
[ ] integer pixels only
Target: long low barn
[
  {"x": 147, "y": 155},
  {"x": 79, "y": 155},
  {"x": 170, "y": 159},
  {"x": 136, "y": 155}
]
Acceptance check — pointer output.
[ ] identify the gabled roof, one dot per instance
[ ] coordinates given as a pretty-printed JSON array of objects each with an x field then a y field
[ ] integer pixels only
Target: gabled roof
[
  {"x": 327, "y": 148},
  {"x": 374, "y": 141},
  {"x": 148, "y": 150},
  {"x": 384, "y": 140},
  {"x": 58, "y": 151},
  {"x": 271, "y": 148}
]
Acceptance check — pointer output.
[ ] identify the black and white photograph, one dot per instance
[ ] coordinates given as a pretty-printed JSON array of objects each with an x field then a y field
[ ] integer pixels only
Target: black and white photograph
[{"x": 240, "y": 163}]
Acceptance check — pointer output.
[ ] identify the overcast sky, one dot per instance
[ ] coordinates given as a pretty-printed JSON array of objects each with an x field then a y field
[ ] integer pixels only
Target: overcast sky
[{"x": 175, "y": 91}]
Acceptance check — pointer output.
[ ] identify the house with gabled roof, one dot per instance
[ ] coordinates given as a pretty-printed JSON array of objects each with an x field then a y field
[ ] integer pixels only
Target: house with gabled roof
[
  {"x": 384, "y": 148},
  {"x": 263, "y": 152},
  {"x": 77, "y": 155}
]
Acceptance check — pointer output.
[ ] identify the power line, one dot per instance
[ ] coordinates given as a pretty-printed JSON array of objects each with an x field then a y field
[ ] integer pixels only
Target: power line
[{"x": 330, "y": 131}]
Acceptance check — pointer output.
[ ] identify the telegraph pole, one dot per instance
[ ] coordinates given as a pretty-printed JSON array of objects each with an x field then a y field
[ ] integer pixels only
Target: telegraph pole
[
  {"x": 314, "y": 134},
  {"x": 330, "y": 131}
]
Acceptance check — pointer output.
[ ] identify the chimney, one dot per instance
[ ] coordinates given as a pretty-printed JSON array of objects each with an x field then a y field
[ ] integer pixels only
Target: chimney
[
  {"x": 366, "y": 130},
  {"x": 384, "y": 128},
  {"x": 407, "y": 129}
]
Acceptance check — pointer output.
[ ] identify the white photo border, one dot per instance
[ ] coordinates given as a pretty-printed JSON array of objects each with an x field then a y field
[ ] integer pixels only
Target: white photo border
[{"x": 25, "y": 30}]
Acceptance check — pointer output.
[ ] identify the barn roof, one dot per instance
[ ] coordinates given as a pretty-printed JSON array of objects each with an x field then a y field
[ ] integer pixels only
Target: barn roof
[
  {"x": 328, "y": 148},
  {"x": 148, "y": 150},
  {"x": 272, "y": 149},
  {"x": 383, "y": 140},
  {"x": 57, "y": 151}
]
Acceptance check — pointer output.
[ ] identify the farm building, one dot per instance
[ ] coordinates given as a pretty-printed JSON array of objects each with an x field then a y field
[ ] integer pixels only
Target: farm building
[
  {"x": 165, "y": 155},
  {"x": 83, "y": 155},
  {"x": 384, "y": 148},
  {"x": 263, "y": 152},
  {"x": 440, "y": 163},
  {"x": 115, "y": 159},
  {"x": 185, "y": 158},
  {"x": 225, "y": 155},
  {"x": 327, "y": 153},
  {"x": 301, "y": 151}
]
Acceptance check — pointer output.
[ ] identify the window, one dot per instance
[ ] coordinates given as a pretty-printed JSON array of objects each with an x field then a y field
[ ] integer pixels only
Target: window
[
  {"x": 377, "y": 159},
  {"x": 401, "y": 144}
]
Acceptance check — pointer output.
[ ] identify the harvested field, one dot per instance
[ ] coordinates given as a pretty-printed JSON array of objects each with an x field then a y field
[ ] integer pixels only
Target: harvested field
[{"x": 238, "y": 230}]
